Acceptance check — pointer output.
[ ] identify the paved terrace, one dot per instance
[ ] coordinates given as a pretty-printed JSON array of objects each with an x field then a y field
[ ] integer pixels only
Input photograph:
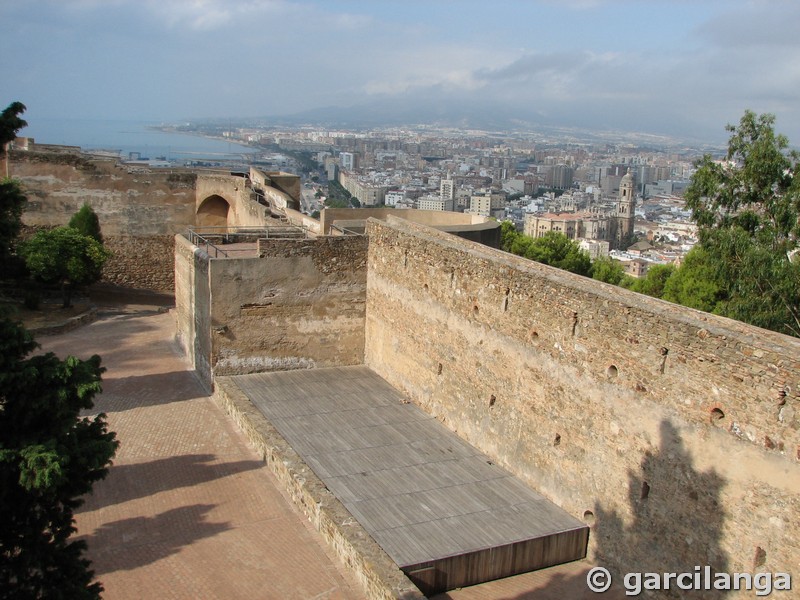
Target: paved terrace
[{"x": 189, "y": 512}]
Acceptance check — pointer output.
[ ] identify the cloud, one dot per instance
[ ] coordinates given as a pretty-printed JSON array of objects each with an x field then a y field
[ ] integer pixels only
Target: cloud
[{"x": 758, "y": 23}]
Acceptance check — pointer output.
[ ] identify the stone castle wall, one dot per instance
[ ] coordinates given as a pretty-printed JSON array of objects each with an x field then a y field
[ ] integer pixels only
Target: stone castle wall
[
  {"x": 673, "y": 432},
  {"x": 139, "y": 210},
  {"x": 192, "y": 306},
  {"x": 300, "y": 305}
]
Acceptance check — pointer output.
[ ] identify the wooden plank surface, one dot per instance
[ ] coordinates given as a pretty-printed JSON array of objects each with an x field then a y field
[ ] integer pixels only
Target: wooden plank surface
[{"x": 421, "y": 492}]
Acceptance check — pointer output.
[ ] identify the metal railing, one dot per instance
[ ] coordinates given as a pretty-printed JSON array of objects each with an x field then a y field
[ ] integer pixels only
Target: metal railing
[{"x": 212, "y": 239}]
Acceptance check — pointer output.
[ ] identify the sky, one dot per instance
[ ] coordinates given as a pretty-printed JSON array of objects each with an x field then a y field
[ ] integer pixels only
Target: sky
[{"x": 677, "y": 67}]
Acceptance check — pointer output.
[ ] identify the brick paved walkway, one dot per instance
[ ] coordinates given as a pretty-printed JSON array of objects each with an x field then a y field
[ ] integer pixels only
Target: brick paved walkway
[{"x": 188, "y": 510}]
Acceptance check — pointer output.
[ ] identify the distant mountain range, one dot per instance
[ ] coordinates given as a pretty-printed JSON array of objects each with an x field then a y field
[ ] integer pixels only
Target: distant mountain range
[{"x": 397, "y": 112}]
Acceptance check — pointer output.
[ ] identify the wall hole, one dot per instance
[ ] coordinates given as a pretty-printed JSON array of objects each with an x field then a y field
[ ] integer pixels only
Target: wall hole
[
  {"x": 474, "y": 309},
  {"x": 557, "y": 441},
  {"x": 612, "y": 371},
  {"x": 534, "y": 335},
  {"x": 645, "y": 490},
  {"x": 439, "y": 369},
  {"x": 664, "y": 352},
  {"x": 425, "y": 287},
  {"x": 588, "y": 518},
  {"x": 574, "y": 323},
  {"x": 717, "y": 416},
  {"x": 492, "y": 400},
  {"x": 760, "y": 557}
]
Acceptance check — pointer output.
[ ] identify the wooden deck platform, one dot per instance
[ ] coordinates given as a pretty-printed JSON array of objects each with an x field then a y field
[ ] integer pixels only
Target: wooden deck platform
[{"x": 439, "y": 508}]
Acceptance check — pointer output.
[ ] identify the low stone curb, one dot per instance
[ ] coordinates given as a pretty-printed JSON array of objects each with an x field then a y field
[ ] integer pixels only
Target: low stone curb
[
  {"x": 379, "y": 577},
  {"x": 84, "y": 318}
]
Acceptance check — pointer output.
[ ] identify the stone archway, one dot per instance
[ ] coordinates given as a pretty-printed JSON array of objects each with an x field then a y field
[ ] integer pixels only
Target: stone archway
[{"x": 213, "y": 212}]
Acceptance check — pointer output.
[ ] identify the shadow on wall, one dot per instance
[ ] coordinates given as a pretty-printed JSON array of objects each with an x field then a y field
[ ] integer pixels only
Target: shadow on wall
[
  {"x": 677, "y": 520},
  {"x": 671, "y": 530}
]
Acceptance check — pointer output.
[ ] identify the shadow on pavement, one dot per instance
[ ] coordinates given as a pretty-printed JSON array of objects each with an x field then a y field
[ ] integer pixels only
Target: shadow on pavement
[
  {"x": 130, "y": 543},
  {"x": 138, "y": 480}
]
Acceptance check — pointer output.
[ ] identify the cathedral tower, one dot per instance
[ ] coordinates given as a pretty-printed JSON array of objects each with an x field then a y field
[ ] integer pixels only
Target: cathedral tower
[{"x": 626, "y": 206}]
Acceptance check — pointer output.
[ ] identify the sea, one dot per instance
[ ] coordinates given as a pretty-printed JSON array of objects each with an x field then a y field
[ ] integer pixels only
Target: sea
[{"x": 133, "y": 140}]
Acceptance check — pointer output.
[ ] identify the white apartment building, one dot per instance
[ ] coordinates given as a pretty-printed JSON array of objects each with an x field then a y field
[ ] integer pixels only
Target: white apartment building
[
  {"x": 447, "y": 189},
  {"x": 393, "y": 197},
  {"x": 435, "y": 203},
  {"x": 484, "y": 204}
]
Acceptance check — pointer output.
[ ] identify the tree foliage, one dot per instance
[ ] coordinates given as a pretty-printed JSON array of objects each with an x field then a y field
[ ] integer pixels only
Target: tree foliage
[
  {"x": 66, "y": 257},
  {"x": 11, "y": 123},
  {"x": 50, "y": 457},
  {"x": 554, "y": 249},
  {"x": 747, "y": 209},
  {"x": 696, "y": 282},
  {"x": 86, "y": 222},
  {"x": 12, "y": 203},
  {"x": 653, "y": 283},
  {"x": 608, "y": 270},
  {"x": 12, "y": 200}
]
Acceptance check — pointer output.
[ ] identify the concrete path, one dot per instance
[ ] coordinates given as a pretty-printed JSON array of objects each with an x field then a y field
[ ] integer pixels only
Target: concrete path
[{"x": 188, "y": 510}]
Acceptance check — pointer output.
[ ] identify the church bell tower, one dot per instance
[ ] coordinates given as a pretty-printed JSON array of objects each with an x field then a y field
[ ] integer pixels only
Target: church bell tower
[{"x": 626, "y": 207}]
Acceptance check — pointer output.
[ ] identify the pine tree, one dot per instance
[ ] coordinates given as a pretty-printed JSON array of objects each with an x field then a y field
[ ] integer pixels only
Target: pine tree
[
  {"x": 87, "y": 222},
  {"x": 50, "y": 456}
]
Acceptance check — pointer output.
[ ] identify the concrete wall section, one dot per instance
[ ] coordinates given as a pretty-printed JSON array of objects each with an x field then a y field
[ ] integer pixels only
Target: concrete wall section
[
  {"x": 295, "y": 217},
  {"x": 673, "y": 432},
  {"x": 300, "y": 305},
  {"x": 432, "y": 218},
  {"x": 192, "y": 307}
]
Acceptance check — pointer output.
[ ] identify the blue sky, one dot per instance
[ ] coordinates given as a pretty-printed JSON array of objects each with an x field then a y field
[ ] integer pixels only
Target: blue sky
[{"x": 685, "y": 67}]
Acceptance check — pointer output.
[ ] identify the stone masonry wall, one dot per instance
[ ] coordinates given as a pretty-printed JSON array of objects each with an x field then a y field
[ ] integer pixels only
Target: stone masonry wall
[
  {"x": 139, "y": 210},
  {"x": 300, "y": 305},
  {"x": 141, "y": 262},
  {"x": 674, "y": 433}
]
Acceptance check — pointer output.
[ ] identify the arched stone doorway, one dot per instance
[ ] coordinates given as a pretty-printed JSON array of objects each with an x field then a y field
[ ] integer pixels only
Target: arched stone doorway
[{"x": 213, "y": 212}]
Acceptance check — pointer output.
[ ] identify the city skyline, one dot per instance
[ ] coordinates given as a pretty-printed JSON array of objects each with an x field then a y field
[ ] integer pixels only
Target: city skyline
[{"x": 683, "y": 69}]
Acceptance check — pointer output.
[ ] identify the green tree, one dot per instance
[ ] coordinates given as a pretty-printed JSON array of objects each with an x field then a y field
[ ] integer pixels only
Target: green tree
[
  {"x": 87, "y": 223},
  {"x": 66, "y": 257},
  {"x": 508, "y": 234},
  {"x": 554, "y": 249},
  {"x": 655, "y": 280},
  {"x": 608, "y": 270},
  {"x": 557, "y": 250},
  {"x": 12, "y": 203},
  {"x": 50, "y": 457},
  {"x": 11, "y": 123},
  {"x": 747, "y": 208},
  {"x": 696, "y": 283},
  {"x": 12, "y": 200}
]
